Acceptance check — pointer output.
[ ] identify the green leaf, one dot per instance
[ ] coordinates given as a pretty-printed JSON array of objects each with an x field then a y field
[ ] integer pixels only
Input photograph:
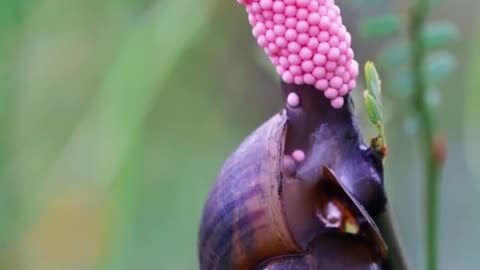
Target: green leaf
[
  {"x": 439, "y": 34},
  {"x": 373, "y": 82},
  {"x": 439, "y": 65},
  {"x": 373, "y": 108},
  {"x": 380, "y": 26}
]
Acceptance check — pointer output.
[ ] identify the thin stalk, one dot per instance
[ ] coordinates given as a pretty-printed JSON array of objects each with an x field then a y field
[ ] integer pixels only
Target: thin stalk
[{"x": 420, "y": 11}]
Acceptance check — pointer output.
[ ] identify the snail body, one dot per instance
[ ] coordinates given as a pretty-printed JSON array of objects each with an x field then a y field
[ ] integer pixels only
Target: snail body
[{"x": 262, "y": 215}]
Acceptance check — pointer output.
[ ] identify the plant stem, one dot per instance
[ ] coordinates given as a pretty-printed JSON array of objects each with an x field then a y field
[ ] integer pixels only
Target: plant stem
[{"x": 419, "y": 15}]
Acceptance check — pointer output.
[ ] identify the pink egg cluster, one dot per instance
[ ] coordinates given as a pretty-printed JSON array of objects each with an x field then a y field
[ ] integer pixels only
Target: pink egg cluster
[{"x": 307, "y": 42}]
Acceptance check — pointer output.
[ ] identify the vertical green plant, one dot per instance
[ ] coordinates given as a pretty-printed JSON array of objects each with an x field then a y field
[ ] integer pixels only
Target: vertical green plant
[
  {"x": 419, "y": 63},
  {"x": 432, "y": 165}
]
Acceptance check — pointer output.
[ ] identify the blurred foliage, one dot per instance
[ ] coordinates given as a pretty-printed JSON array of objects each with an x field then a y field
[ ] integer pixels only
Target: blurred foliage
[{"x": 116, "y": 115}]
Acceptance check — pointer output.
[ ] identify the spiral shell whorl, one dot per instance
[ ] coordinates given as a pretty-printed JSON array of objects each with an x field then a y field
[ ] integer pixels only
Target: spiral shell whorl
[
  {"x": 243, "y": 222},
  {"x": 307, "y": 42}
]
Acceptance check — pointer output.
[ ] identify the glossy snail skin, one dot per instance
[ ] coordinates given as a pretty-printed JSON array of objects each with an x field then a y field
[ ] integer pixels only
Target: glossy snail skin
[{"x": 266, "y": 213}]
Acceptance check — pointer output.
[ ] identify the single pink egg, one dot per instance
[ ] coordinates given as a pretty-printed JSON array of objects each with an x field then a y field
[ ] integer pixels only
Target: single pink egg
[
  {"x": 291, "y": 11},
  {"x": 278, "y": 6},
  {"x": 291, "y": 35},
  {"x": 294, "y": 47},
  {"x": 302, "y": 27},
  {"x": 287, "y": 77},
  {"x": 303, "y": 38},
  {"x": 279, "y": 18},
  {"x": 331, "y": 93},
  {"x": 336, "y": 82},
  {"x": 308, "y": 66},
  {"x": 298, "y": 80},
  {"x": 319, "y": 72},
  {"x": 302, "y": 14},
  {"x": 302, "y": 3},
  {"x": 319, "y": 59},
  {"x": 337, "y": 102},
  {"x": 291, "y": 23},
  {"x": 309, "y": 78},
  {"x": 298, "y": 155},
  {"x": 281, "y": 42},
  {"x": 295, "y": 70},
  {"x": 294, "y": 59},
  {"x": 321, "y": 84},
  {"x": 306, "y": 53}
]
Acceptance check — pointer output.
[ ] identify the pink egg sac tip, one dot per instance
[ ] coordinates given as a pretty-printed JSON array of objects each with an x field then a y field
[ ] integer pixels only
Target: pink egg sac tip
[{"x": 307, "y": 42}]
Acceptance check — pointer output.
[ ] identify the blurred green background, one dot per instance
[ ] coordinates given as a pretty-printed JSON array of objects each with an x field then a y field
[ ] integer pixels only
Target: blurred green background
[{"x": 115, "y": 116}]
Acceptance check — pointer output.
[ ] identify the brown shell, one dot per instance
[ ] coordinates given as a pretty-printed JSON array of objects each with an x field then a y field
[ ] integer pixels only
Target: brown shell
[{"x": 243, "y": 222}]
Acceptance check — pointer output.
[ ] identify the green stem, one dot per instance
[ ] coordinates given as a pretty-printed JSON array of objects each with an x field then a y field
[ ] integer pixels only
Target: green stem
[{"x": 419, "y": 15}]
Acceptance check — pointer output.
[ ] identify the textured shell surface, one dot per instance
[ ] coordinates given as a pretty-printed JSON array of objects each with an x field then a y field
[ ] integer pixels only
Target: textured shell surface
[{"x": 243, "y": 222}]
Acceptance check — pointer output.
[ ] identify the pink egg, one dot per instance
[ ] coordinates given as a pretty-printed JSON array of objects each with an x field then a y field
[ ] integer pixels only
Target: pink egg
[
  {"x": 295, "y": 70},
  {"x": 336, "y": 82},
  {"x": 337, "y": 102},
  {"x": 307, "y": 66},
  {"x": 279, "y": 30},
  {"x": 302, "y": 3},
  {"x": 323, "y": 36},
  {"x": 313, "y": 18},
  {"x": 281, "y": 42},
  {"x": 319, "y": 72},
  {"x": 280, "y": 70},
  {"x": 312, "y": 44},
  {"x": 331, "y": 93},
  {"x": 330, "y": 66},
  {"x": 294, "y": 59},
  {"x": 302, "y": 27},
  {"x": 291, "y": 23},
  {"x": 321, "y": 84},
  {"x": 303, "y": 38},
  {"x": 294, "y": 47},
  {"x": 283, "y": 61},
  {"x": 313, "y": 6},
  {"x": 298, "y": 79},
  {"x": 302, "y": 14},
  {"x": 344, "y": 90},
  {"x": 323, "y": 48},
  {"x": 319, "y": 59},
  {"x": 309, "y": 78},
  {"x": 306, "y": 53},
  {"x": 313, "y": 30},
  {"x": 291, "y": 11},
  {"x": 278, "y": 6},
  {"x": 324, "y": 23},
  {"x": 279, "y": 18},
  {"x": 291, "y": 35},
  {"x": 334, "y": 53},
  {"x": 287, "y": 77}
]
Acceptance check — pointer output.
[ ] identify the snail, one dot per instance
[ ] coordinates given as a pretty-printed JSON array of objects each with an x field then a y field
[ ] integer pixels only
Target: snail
[
  {"x": 270, "y": 211},
  {"x": 303, "y": 191}
]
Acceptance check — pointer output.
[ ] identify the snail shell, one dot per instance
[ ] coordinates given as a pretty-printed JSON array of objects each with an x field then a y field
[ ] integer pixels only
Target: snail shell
[
  {"x": 259, "y": 217},
  {"x": 243, "y": 222}
]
